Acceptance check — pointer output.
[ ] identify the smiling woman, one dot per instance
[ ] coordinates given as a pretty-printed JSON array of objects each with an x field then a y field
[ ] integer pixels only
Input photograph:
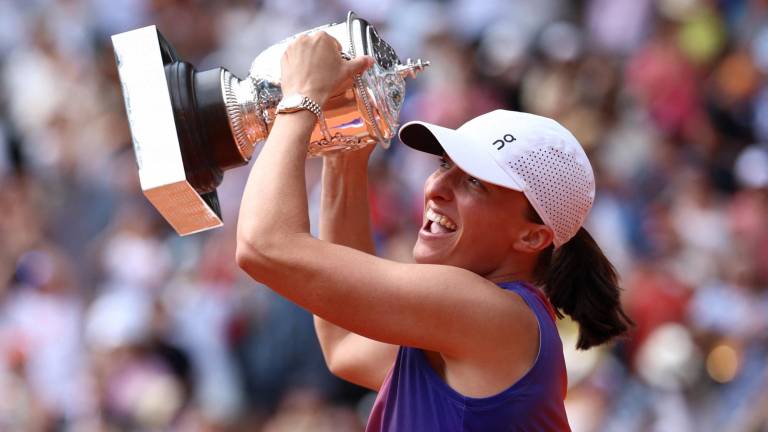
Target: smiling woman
[
  {"x": 463, "y": 339},
  {"x": 462, "y": 211}
]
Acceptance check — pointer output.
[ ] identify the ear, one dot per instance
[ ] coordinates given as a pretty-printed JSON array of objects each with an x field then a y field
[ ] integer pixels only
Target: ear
[{"x": 534, "y": 238}]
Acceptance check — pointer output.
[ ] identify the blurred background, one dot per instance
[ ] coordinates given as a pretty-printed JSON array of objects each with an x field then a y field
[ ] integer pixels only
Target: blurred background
[{"x": 110, "y": 321}]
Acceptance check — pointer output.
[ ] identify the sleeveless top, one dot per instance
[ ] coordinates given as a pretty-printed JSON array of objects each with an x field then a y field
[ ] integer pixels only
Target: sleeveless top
[{"x": 414, "y": 398}]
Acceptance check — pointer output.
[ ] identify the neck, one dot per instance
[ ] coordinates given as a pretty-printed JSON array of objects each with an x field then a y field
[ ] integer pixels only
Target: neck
[
  {"x": 508, "y": 277},
  {"x": 516, "y": 268}
]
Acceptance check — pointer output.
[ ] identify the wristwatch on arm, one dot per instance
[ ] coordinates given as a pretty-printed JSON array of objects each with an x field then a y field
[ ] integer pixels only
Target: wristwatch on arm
[{"x": 297, "y": 102}]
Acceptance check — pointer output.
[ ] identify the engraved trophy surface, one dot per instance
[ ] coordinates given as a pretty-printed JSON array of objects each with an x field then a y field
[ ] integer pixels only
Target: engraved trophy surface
[{"x": 189, "y": 126}]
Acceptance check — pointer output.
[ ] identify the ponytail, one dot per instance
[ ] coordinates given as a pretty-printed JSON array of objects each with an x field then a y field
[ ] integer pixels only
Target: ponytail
[{"x": 581, "y": 282}]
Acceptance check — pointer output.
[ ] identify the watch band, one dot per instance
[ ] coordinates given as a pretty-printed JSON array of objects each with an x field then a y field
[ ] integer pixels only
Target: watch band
[{"x": 311, "y": 106}]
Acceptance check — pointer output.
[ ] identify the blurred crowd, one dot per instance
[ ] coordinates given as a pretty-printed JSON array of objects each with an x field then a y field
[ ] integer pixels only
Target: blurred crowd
[{"x": 109, "y": 321}]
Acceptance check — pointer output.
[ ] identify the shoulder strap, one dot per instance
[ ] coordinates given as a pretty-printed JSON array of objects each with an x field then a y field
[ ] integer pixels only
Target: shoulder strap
[{"x": 530, "y": 289}]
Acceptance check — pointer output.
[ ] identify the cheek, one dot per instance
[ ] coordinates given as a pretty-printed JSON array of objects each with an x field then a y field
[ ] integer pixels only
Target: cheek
[
  {"x": 478, "y": 226},
  {"x": 482, "y": 247},
  {"x": 488, "y": 227}
]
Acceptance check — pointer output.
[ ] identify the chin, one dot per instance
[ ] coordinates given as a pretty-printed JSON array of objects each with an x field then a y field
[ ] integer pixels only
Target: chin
[
  {"x": 421, "y": 256},
  {"x": 424, "y": 255}
]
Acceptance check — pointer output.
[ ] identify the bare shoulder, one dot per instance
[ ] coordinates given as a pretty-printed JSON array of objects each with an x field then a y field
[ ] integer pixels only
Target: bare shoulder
[{"x": 513, "y": 350}]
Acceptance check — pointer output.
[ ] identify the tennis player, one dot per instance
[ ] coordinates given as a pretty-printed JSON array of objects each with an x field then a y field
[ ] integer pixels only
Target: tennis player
[{"x": 465, "y": 338}]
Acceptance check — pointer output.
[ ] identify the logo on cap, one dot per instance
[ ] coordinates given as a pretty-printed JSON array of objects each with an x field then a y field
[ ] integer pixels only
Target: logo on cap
[{"x": 507, "y": 138}]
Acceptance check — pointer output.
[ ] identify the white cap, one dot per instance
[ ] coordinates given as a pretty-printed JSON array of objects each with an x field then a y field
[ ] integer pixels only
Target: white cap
[{"x": 524, "y": 152}]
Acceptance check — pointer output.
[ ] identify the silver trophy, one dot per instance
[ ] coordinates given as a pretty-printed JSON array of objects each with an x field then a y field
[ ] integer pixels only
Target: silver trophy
[{"x": 188, "y": 127}]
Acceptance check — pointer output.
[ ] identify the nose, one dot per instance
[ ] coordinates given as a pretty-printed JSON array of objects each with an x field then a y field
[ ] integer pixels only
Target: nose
[{"x": 440, "y": 184}]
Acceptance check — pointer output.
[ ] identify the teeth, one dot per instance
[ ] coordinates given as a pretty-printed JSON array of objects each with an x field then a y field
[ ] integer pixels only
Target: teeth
[{"x": 440, "y": 219}]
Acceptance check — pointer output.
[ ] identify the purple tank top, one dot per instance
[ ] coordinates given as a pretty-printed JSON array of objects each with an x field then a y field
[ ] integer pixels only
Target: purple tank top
[{"x": 414, "y": 398}]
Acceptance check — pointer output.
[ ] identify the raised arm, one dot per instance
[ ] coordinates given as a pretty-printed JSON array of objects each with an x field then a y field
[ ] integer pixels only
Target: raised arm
[
  {"x": 345, "y": 220},
  {"x": 434, "y": 307}
]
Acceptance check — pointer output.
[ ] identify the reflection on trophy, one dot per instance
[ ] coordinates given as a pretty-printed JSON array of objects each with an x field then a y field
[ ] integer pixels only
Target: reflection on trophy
[{"x": 188, "y": 127}]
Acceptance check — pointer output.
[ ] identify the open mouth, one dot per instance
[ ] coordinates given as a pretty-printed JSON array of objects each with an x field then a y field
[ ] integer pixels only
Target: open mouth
[{"x": 438, "y": 223}]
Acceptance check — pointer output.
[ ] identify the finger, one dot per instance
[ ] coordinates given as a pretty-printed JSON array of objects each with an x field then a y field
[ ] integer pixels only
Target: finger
[
  {"x": 348, "y": 83},
  {"x": 359, "y": 64},
  {"x": 299, "y": 41},
  {"x": 336, "y": 42},
  {"x": 326, "y": 38}
]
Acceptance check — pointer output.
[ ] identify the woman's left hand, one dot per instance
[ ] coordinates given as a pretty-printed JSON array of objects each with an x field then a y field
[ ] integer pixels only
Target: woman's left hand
[{"x": 312, "y": 66}]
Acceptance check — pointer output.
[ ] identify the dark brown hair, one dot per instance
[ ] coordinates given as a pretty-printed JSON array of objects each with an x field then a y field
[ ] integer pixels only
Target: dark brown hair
[{"x": 581, "y": 282}]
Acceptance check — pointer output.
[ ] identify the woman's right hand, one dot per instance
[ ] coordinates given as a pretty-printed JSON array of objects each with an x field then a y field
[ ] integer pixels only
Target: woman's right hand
[{"x": 312, "y": 66}]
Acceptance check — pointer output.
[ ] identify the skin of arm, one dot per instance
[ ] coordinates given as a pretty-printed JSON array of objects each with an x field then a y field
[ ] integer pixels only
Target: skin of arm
[
  {"x": 438, "y": 308},
  {"x": 345, "y": 220}
]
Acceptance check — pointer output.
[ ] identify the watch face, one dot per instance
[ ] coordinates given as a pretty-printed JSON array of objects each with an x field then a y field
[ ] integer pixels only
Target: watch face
[{"x": 290, "y": 101}]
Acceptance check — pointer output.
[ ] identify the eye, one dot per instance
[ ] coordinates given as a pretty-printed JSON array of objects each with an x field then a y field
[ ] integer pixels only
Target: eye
[{"x": 476, "y": 183}]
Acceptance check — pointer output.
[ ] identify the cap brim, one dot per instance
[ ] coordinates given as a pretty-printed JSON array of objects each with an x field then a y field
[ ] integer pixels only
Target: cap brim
[{"x": 465, "y": 152}]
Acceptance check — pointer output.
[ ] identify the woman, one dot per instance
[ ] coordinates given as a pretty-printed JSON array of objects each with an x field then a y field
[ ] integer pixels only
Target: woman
[{"x": 462, "y": 339}]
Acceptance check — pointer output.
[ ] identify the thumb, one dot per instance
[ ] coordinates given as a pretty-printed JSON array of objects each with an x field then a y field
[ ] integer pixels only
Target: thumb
[{"x": 359, "y": 65}]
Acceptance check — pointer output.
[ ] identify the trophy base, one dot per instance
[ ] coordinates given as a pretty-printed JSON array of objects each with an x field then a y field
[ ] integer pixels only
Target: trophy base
[
  {"x": 185, "y": 209},
  {"x": 181, "y": 134}
]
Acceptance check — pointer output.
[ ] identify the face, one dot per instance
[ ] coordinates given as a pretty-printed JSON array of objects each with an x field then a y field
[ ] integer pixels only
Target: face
[{"x": 471, "y": 224}]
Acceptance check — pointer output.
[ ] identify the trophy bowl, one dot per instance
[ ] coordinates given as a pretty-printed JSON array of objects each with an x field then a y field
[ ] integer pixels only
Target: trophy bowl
[{"x": 190, "y": 126}]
